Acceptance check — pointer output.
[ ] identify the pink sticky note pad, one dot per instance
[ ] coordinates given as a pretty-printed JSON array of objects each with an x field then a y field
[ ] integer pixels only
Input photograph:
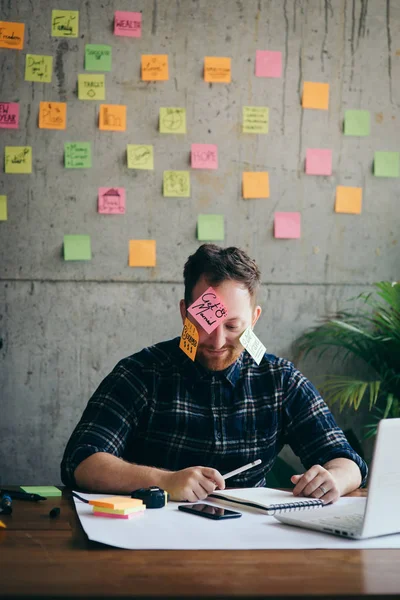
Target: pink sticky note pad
[
  {"x": 318, "y": 161},
  {"x": 268, "y": 63},
  {"x": 9, "y": 115},
  {"x": 287, "y": 225},
  {"x": 208, "y": 310},
  {"x": 204, "y": 156},
  {"x": 98, "y": 513},
  {"x": 128, "y": 23},
  {"x": 111, "y": 201}
]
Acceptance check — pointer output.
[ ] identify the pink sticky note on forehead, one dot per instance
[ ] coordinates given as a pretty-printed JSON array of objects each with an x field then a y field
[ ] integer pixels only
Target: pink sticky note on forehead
[
  {"x": 268, "y": 63},
  {"x": 9, "y": 115},
  {"x": 318, "y": 161},
  {"x": 111, "y": 201},
  {"x": 208, "y": 310},
  {"x": 128, "y": 23},
  {"x": 204, "y": 156}
]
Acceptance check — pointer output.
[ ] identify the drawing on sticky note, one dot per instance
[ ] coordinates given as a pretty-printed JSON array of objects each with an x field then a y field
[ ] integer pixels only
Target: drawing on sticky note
[
  {"x": 91, "y": 87},
  {"x": 177, "y": 184},
  {"x": 172, "y": 120},
  {"x": 111, "y": 201},
  {"x": 18, "y": 159},
  {"x": 9, "y": 115},
  {"x": 155, "y": 67},
  {"x": 112, "y": 117},
  {"x": 140, "y": 156},
  {"x": 53, "y": 115}
]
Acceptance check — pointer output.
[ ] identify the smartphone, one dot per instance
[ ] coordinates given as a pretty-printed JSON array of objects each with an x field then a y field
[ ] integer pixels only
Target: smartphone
[{"x": 210, "y": 512}]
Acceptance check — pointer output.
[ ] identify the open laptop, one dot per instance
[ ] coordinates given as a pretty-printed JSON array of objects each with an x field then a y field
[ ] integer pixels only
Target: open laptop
[{"x": 379, "y": 514}]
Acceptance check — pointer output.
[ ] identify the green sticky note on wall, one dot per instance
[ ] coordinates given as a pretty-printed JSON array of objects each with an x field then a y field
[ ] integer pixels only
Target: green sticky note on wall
[
  {"x": 77, "y": 247},
  {"x": 357, "y": 122},
  {"x": 210, "y": 228},
  {"x": 3, "y": 208},
  {"x": 42, "y": 490},
  {"x": 98, "y": 57},
  {"x": 386, "y": 164},
  {"x": 77, "y": 155}
]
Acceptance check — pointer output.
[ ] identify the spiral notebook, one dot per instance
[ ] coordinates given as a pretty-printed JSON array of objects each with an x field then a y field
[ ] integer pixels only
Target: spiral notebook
[{"x": 267, "y": 499}]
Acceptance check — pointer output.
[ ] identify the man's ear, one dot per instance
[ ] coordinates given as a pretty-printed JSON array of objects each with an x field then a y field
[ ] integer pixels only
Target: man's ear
[
  {"x": 182, "y": 308},
  {"x": 256, "y": 315}
]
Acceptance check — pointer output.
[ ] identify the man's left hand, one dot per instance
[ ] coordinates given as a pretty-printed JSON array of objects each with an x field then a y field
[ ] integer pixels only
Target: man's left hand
[{"x": 317, "y": 482}]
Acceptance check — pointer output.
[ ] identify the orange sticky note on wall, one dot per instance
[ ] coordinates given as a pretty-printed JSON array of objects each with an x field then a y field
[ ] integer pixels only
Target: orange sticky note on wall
[
  {"x": 217, "y": 69},
  {"x": 53, "y": 115},
  {"x": 155, "y": 67},
  {"x": 316, "y": 95},
  {"x": 142, "y": 253},
  {"x": 255, "y": 184},
  {"x": 12, "y": 35},
  {"x": 348, "y": 199},
  {"x": 112, "y": 117}
]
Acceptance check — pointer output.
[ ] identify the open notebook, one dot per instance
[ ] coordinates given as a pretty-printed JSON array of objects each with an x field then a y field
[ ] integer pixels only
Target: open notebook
[{"x": 267, "y": 499}]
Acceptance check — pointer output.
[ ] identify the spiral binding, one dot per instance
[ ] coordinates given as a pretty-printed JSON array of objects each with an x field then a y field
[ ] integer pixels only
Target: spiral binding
[{"x": 293, "y": 506}]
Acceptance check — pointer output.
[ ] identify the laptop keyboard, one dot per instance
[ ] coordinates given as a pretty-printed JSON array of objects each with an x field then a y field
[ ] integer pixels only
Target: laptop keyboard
[{"x": 351, "y": 522}]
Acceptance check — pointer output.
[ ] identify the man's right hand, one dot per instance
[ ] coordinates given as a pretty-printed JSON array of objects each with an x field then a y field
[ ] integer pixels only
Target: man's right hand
[{"x": 192, "y": 484}]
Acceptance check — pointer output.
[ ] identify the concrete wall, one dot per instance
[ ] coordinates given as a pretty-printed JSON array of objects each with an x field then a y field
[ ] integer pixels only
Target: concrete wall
[{"x": 64, "y": 325}]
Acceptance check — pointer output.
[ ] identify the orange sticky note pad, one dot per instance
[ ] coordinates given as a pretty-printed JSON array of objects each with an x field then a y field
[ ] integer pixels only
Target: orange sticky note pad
[
  {"x": 316, "y": 95},
  {"x": 348, "y": 200},
  {"x": 155, "y": 67},
  {"x": 112, "y": 117},
  {"x": 217, "y": 69},
  {"x": 256, "y": 184},
  {"x": 142, "y": 253},
  {"x": 12, "y": 35},
  {"x": 53, "y": 115},
  {"x": 116, "y": 502}
]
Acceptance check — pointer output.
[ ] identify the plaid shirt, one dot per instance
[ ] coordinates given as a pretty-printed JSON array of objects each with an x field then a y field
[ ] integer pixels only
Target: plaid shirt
[{"x": 158, "y": 408}]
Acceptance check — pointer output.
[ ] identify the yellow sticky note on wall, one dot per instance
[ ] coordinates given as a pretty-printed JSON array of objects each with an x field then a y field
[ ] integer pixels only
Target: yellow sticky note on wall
[
  {"x": 18, "y": 159},
  {"x": 189, "y": 339},
  {"x": 65, "y": 23},
  {"x": 3, "y": 208},
  {"x": 217, "y": 69},
  {"x": 140, "y": 156},
  {"x": 256, "y": 184},
  {"x": 53, "y": 115},
  {"x": 348, "y": 199},
  {"x": 172, "y": 120},
  {"x": 12, "y": 35},
  {"x": 155, "y": 67},
  {"x": 112, "y": 117},
  {"x": 316, "y": 95},
  {"x": 38, "y": 68},
  {"x": 91, "y": 87},
  {"x": 142, "y": 253}
]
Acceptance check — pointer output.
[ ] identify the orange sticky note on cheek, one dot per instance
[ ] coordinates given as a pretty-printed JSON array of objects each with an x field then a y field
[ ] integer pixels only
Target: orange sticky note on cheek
[
  {"x": 316, "y": 95},
  {"x": 348, "y": 200},
  {"x": 53, "y": 115},
  {"x": 255, "y": 185},
  {"x": 155, "y": 67},
  {"x": 12, "y": 35},
  {"x": 142, "y": 253},
  {"x": 112, "y": 117},
  {"x": 217, "y": 69},
  {"x": 189, "y": 339}
]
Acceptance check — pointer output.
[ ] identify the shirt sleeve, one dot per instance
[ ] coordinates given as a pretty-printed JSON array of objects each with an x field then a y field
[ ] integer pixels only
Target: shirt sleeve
[
  {"x": 311, "y": 430},
  {"x": 109, "y": 419}
]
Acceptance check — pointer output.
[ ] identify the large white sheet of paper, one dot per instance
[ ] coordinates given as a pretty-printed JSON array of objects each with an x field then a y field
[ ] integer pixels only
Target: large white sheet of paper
[{"x": 171, "y": 529}]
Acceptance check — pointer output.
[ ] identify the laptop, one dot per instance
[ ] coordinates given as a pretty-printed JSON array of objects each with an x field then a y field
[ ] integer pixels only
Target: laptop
[{"x": 379, "y": 513}]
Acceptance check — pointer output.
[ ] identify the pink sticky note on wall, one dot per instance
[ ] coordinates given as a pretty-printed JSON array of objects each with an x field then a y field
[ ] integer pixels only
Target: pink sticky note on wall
[
  {"x": 128, "y": 23},
  {"x": 287, "y": 225},
  {"x": 268, "y": 63},
  {"x": 318, "y": 161},
  {"x": 204, "y": 156},
  {"x": 208, "y": 310},
  {"x": 9, "y": 115},
  {"x": 111, "y": 201}
]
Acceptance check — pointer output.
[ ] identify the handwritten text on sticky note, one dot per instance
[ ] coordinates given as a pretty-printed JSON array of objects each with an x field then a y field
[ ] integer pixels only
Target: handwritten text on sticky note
[
  {"x": 255, "y": 119},
  {"x": 268, "y": 63},
  {"x": 91, "y": 87},
  {"x": 38, "y": 68},
  {"x": 111, "y": 201},
  {"x": 9, "y": 115},
  {"x": 18, "y": 159},
  {"x": 318, "y": 161},
  {"x": 127, "y": 23},
  {"x": 217, "y": 69},
  {"x": 65, "y": 23},
  {"x": 177, "y": 184},
  {"x": 253, "y": 345},
  {"x": 98, "y": 57},
  {"x": 189, "y": 339},
  {"x": 112, "y": 117},
  {"x": 53, "y": 115},
  {"x": 208, "y": 310},
  {"x": 12, "y": 35},
  {"x": 140, "y": 156},
  {"x": 172, "y": 120},
  {"x": 77, "y": 155},
  {"x": 204, "y": 156},
  {"x": 287, "y": 225},
  {"x": 155, "y": 67}
]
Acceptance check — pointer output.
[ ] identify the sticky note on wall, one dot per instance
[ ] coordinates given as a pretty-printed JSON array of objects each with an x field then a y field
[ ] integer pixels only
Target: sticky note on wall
[
  {"x": 98, "y": 57},
  {"x": 357, "y": 122},
  {"x": 77, "y": 155},
  {"x": 204, "y": 156},
  {"x": 176, "y": 184},
  {"x": 155, "y": 67},
  {"x": 318, "y": 161},
  {"x": 268, "y": 63},
  {"x": 91, "y": 87},
  {"x": 140, "y": 156},
  {"x": 65, "y": 23},
  {"x": 348, "y": 199},
  {"x": 316, "y": 95},
  {"x": 255, "y": 119},
  {"x": 210, "y": 228},
  {"x": 287, "y": 225},
  {"x": 142, "y": 253},
  {"x": 38, "y": 68},
  {"x": 77, "y": 247},
  {"x": 12, "y": 35},
  {"x": 172, "y": 120},
  {"x": 127, "y": 23},
  {"x": 217, "y": 69},
  {"x": 255, "y": 184},
  {"x": 111, "y": 201},
  {"x": 9, "y": 115},
  {"x": 112, "y": 117},
  {"x": 53, "y": 115},
  {"x": 3, "y": 208},
  {"x": 18, "y": 159},
  {"x": 386, "y": 164}
]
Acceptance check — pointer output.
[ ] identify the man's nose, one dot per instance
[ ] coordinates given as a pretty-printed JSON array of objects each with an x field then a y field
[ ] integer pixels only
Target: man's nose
[{"x": 217, "y": 337}]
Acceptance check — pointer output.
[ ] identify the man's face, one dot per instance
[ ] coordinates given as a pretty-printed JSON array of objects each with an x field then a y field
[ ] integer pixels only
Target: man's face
[{"x": 220, "y": 349}]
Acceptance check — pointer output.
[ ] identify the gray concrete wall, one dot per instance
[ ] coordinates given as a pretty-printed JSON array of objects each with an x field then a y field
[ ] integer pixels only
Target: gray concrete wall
[{"x": 64, "y": 325}]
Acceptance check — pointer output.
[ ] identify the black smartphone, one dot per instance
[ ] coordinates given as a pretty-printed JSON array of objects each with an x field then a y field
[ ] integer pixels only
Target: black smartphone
[{"x": 210, "y": 512}]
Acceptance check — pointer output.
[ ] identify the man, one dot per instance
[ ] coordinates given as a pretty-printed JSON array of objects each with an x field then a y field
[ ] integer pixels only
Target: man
[{"x": 162, "y": 419}]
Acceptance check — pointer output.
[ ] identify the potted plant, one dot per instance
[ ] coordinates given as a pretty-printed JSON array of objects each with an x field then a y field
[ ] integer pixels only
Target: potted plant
[{"x": 371, "y": 333}]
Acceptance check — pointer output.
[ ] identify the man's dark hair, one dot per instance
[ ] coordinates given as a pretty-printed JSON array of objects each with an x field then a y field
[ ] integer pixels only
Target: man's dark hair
[{"x": 220, "y": 264}]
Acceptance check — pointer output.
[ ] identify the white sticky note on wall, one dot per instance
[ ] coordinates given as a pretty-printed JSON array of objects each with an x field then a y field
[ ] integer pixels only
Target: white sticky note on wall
[{"x": 253, "y": 345}]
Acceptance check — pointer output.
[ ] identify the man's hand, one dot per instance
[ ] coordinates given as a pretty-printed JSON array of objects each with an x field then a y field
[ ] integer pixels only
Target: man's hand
[
  {"x": 317, "y": 482},
  {"x": 192, "y": 484}
]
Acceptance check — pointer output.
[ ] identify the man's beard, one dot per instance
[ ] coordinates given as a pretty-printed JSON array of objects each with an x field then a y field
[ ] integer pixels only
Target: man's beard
[{"x": 218, "y": 362}]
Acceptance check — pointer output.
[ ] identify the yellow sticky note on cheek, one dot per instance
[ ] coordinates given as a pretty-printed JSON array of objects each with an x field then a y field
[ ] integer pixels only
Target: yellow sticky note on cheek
[{"x": 189, "y": 339}]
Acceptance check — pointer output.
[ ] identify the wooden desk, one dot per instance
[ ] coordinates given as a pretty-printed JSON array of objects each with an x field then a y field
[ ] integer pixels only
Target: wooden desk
[{"x": 45, "y": 558}]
